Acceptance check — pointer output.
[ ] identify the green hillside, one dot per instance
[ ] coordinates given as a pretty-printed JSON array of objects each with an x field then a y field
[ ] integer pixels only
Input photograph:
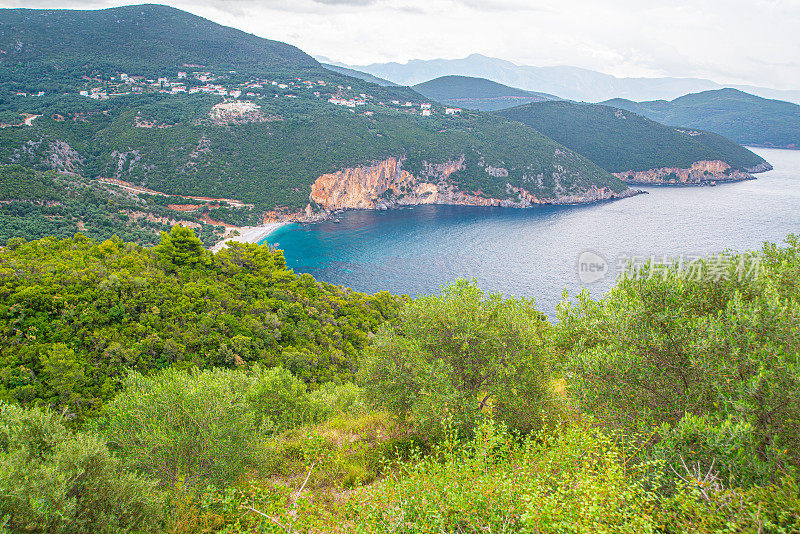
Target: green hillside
[
  {"x": 173, "y": 305},
  {"x": 742, "y": 117},
  {"x": 621, "y": 141},
  {"x": 477, "y": 93},
  {"x": 35, "y": 204},
  {"x": 293, "y": 120},
  {"x": 146, "y": 39}
]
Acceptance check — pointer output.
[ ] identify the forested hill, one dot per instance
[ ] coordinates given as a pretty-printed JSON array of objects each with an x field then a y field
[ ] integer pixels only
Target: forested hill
[
  {"x": 619, "y": 140},
  {"x": 35, "y": 204},
  {"x": 100, "y": 309},
  {"x": 147, "y": 39},
  {"x": 478, "y": 93},
  {"x": 745, "y": 118},
  {"x": 180, "y": 105}
]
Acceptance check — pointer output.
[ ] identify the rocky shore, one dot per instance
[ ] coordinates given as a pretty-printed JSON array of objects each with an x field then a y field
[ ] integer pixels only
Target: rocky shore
[
  {"x": 386, "y": 185},
  {"x": 700, "y": 173}
]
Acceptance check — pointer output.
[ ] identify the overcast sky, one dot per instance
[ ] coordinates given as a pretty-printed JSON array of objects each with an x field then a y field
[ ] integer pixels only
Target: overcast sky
[{"x": 728, "y": 41}]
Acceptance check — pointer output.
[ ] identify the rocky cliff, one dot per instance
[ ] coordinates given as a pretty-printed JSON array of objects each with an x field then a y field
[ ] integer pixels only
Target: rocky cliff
[
  {"x": 700, "y": 173},
  {"x": 385, "y": 184},
  {"x": 761, "y": 167}
]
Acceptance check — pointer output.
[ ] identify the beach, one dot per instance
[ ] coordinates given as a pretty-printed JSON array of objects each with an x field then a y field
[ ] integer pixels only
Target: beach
[{"x": 249, "y": 234}]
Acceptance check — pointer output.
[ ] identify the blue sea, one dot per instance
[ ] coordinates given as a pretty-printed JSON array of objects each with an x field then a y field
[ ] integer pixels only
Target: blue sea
[{"x": 535, "y": 252}]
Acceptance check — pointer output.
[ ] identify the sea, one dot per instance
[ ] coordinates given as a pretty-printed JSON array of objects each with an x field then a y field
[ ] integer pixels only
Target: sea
[{"x": 543, "y": 252}]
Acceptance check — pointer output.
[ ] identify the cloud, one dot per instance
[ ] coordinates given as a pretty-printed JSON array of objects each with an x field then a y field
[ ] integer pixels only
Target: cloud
[{"x": 729, "y": 41}]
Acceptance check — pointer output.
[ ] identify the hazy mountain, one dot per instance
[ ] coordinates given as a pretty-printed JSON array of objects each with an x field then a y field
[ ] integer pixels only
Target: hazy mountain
[
  {"x": 620, "y": 140},
  {"x": 360, "y": 75},
  {"x": 477, "y": 93},
  {"x": 745, "y": 118},
  {"x": 567, "y": 82}
]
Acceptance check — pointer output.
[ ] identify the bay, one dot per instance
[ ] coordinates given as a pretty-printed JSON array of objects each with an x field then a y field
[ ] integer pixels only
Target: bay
[{"x": 535, "y": 252}]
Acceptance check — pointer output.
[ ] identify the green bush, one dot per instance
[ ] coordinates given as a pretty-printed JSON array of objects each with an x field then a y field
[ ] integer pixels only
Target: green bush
[
  {"x": 572, "y": 479},
  {"x": 191, "y": 428},
  {"x": 461, "y": 353},
  {"x": 54, "y": 480},
  {"x": 332, "y": 399},
  {"x": 721, "y": 339},
  {"x": 726, "y": 449}
]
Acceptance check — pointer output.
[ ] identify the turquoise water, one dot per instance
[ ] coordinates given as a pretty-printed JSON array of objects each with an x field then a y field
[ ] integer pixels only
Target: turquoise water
[{"x": 534, "y": 252}]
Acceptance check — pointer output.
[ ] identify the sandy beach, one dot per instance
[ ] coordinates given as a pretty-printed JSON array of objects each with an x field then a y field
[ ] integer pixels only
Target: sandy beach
[{"x": 249, "y": 234}]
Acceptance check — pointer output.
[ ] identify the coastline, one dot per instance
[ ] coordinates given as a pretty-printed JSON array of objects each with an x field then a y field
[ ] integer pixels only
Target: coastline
[{"x": 249, "y": 234}]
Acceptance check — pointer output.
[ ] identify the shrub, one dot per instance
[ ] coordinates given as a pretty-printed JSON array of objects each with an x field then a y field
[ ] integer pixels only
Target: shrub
[
  {"x": 471, "y": 486},
  {"x": 54, "y": 480},
  {"x": 573, "y": 479},
  {"x": 331, "y": 399},
  {"x": 190, "y": 428},
  {"x": 724, "y": 449},
  {"x": 461, "y": 353},
  {"x": 721, "y": 339}
]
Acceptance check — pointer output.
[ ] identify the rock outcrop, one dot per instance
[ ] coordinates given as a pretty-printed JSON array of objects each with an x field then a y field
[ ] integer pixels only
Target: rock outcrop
[
  {"x": 385, "y": 185},
  {"x": 700, "y": 173},
  {"x": 761, "y": 167}
]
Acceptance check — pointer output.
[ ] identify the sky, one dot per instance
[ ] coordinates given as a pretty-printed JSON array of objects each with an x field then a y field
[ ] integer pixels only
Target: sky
[{"x": 729, "y": 41}]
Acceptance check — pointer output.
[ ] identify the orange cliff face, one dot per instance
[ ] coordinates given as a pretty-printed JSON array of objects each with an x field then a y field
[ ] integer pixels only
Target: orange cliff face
[
  {"x": 361, "y": 187},
  {"x": 699, "y": 173},
  {"x": 385, "y": 184}
]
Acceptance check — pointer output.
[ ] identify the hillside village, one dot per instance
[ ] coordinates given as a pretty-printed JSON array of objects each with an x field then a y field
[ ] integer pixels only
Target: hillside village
[{"x": 228, "y": 85}]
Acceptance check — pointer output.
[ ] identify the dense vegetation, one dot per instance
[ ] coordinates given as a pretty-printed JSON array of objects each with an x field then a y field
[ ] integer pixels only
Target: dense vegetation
[
  {"x": 78, "y": 314},
  {"x": 478, "y": 93},
  {"x": 35, "y": 204},
  {"x": 622, "y": 141},
  {"x": 56, "y": 46},
  {"x": 274, "y": 163},
  {"x": 670, "y": 405},
  {"x": 745, "y": 118}
]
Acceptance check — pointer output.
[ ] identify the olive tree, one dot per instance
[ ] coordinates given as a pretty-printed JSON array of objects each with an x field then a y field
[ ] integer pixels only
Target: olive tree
[{"x": 460, "y": 354}]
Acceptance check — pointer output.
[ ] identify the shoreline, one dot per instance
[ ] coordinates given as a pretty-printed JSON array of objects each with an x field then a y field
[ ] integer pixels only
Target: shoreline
[{"x": 249, "y": 234}]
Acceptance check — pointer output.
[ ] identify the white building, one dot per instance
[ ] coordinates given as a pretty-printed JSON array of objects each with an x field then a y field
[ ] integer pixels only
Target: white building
[
  {"x": 425, "y": 106},
  {"x": 181, "y": 75},
  {"x": 452, "y": 111},
  {"x": 426, "y": 113}
]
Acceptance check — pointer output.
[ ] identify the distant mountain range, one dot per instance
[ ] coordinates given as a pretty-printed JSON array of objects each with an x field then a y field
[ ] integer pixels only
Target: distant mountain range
[
  {"x": 571, "y": 83},
  {"x": 745, "y": 118},
  {"x": 478, "y": 93},
  {"x": 625, "y": 143},
  {"x": 360, "y": 75}
]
